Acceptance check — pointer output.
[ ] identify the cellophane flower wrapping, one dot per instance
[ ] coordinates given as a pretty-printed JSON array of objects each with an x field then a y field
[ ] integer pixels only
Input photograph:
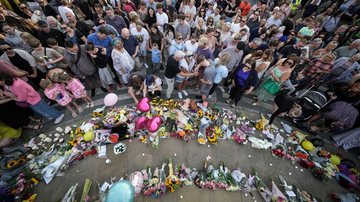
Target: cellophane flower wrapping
[
  {"x": 184, "y": 175},
  {"x": 221, "y": 180},
  {"x": 209, "y": 181},
  {"x": 149, "y": 183},
  {"x": 172, "y": 181},
  {"x": 160, "y": 187}
]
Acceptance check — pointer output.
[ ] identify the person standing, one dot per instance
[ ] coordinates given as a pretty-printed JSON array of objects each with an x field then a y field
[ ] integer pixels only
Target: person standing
[
  {"x": 114, "y": 20},
  {"x": 81, "y": 65},
  {"x": 123, "y": 62},
  {"x": 172, "y": 68}
]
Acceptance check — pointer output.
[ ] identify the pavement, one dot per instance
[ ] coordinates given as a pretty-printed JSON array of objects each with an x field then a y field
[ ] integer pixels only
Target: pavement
[{"x": 139, "y": 155}]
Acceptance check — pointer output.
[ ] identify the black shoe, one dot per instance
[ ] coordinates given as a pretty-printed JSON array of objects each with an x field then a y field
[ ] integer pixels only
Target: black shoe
[
  {"x": 93, "y": 92},
  {"x": 104, "y": 89}
]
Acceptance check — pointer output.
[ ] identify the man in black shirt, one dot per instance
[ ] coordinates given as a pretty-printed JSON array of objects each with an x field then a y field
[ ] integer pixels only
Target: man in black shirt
[
  {"x": 136, "y": 85},
  {"x": 79, "y": 25},
  {"x": 172, "y": 68},
  {"x": 252, "y": 46},
  {"x": 47, "y": 32},
  {"x": 291, "y": 50},
  {"x": 47, "y": 9}
]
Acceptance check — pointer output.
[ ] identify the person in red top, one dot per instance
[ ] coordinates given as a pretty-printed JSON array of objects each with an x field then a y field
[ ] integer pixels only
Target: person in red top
[
  {"x": 129, "y": 6},
  {"x": 245, "y": 8}
]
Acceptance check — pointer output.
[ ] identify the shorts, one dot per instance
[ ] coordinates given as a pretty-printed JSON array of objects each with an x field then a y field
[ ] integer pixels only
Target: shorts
[
  {"x": 180, "y": 79},
  {"x": 142, "y": 53}
]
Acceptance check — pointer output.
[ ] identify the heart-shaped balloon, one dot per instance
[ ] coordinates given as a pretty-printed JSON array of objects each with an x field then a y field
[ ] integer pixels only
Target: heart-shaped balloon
[
  {"x": 141, "y": 123},
  {"x": 143, "y": 105},
  {"x": 154, "y": 124},
  {"x": 137, "y": 181}
]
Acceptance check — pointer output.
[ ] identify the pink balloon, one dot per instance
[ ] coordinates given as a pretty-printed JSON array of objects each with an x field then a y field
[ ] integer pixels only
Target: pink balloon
[
  {"x": 154, "y": 124},
  {"x": 110, "y": 99},
  {"x": 141, "y": 123},
  {"x": 143, "y": 105}
]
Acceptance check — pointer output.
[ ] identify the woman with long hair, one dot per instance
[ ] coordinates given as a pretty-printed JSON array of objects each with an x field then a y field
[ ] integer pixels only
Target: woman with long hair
[
  {"x": 150, "y": 18},
  {"x": 263, "y": 63},
  {"x": 273, "y": 82},
  {"x": 245, "y": 80},
  {"x": 156, "y": 37},
  {"x": 221, "y": 71}
]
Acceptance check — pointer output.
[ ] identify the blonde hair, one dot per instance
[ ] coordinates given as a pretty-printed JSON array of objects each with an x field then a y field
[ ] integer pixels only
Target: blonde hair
[
  {"x": 203, "y": 41},
  {"x": 134, "y": 17},
  {"x": 44, "y": 83},
  {"x": 63, "y": 77},
  {"x": 224, "y": 59}
]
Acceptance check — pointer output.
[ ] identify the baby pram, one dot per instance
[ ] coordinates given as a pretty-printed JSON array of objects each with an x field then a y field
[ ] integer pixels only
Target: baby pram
[{"x": 311, "y": 102}]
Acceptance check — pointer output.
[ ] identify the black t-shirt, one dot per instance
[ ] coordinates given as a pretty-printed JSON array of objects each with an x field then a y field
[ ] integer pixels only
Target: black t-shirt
[
  {"x": 309, "y": 10},
  {"x": 289, "y": 25},
  {"x": 83, "y": 27},
  {"x": 49, "y": 11},
  {"x": 172, "y": 68},
  {"x": 54, "y": 33},
  {"x": 290, "y": 50},
  {"x": 21, "y": 63},
  {"x": 101, "y": 60}
]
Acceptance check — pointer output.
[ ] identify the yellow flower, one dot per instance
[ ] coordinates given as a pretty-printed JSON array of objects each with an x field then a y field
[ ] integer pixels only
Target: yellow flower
[
  {"x": 73, "y": 142},
  {"x": 200, "y": 113}
]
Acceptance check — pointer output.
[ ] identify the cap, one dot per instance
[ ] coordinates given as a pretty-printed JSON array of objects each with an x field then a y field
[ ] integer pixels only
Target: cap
[
  {"x": 149, "y": 80},
  {"x": 42, "y": 23}
]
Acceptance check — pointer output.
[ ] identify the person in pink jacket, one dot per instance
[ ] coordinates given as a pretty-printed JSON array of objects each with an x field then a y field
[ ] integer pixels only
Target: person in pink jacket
[{"x": 22, "y": 92}]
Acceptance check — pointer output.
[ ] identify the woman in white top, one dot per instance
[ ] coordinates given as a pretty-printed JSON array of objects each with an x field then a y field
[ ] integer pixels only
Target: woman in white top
[
  {"x": 235, "y": 25},
  {"x": 225, "y": 34},
  {"x": 264, "y": 62},
  {"x": 187, "y": 68}
]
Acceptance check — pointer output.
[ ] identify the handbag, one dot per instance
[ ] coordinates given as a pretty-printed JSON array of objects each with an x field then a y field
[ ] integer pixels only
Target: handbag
[{"x": 271, "y": 86}]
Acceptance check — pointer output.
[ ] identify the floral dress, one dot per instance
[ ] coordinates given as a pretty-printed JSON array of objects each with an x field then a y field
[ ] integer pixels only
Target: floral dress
[
  {"x": 58, "y": 93},
  {"x": 76, "y": 88}
]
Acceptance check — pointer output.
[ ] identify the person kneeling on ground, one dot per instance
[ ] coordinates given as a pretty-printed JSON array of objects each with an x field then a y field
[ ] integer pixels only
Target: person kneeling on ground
[
  {"x": 339, "y": 116},
  {"x": 285, "y": 105},
  {"x": 152, "y": 86},
  {"x": 136, "y": 85}
]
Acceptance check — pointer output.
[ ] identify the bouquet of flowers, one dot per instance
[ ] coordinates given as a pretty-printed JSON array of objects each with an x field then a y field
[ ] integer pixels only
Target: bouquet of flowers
[
  {"x": 209, "y": 182},
  {"x": 150, "y": 181},
  {"x": 241, "y": 179},
  {"x": 239, "y": 137},
  {"x": 184, "y": 175},
  {"x": 160, "y": 187},
  {"x": 172, "y": 181},
  {"x": 232, "y": 184},
  {"x": 200, "y": 178},
  {"x": 221, "y": 179},
  {"x": 262, "y": 188}
]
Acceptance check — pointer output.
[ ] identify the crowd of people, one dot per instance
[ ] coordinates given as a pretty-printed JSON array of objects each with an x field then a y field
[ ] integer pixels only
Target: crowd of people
[{"x": 61, "y": 51}]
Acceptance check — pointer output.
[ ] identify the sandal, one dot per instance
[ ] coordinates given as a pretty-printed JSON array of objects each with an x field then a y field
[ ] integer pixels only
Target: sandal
[
  {"x": 92, "y": 104},
  {"x": 88, "y": 105},
  {"x": 80, "y": 109},
  {"x": 34, "y": 127},
  {"x": 74, "y": 114}
]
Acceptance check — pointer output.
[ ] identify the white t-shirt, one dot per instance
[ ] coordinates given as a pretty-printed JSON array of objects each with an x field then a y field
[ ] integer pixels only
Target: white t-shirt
[
  {"x": 184, "y": 65},
  {"x": 235, "y": 27},
  {"x": 62, "y": 10},
  {"x": 161, "y": 19},
  {"x": 142, "y": 37},
  {"x": 191, "y": 47},
  {"x": 188, "y": 10},
  {"x": 154, "y": 85}
]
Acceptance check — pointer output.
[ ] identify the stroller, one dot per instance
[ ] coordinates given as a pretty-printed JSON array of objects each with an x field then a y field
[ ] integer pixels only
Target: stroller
[{"x": 311, "y": 102}]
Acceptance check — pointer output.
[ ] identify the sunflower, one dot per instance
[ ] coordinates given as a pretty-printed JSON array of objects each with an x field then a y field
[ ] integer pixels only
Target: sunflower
[
  {"x": 213, "y": 138},
  {"x": 209, "y": 115},
  {"x": 73, "y": 142},
  {"x": 200, "y": 113}
]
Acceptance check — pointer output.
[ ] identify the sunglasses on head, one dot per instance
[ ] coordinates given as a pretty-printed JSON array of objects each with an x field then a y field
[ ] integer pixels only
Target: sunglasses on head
[{"x": 22, "y": 8}]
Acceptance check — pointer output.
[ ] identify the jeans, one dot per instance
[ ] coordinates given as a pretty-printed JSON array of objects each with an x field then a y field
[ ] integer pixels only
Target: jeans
[
  {"x": 44, "y": 109},
  {"x": 170, "y": 89}
]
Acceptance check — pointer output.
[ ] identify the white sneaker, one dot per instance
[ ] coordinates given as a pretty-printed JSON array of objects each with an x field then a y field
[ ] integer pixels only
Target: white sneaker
[
  {"x": 58, "y": 119},
  {"x": 180, "y": 95},
  {"x": 210, "y": 96},
  {"x": 185, "y": 93},
  {"x": 146, "y": 65}
]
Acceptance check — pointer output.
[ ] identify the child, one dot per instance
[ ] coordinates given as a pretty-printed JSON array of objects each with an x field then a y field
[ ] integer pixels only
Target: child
[
  {"x": 152, "y": 86},
  {"x": 76, "y": 88},
  {"x": 156, "y": 58},
  {"x": 58, "y": 93},
  {"x": 98, "y": 56}
]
